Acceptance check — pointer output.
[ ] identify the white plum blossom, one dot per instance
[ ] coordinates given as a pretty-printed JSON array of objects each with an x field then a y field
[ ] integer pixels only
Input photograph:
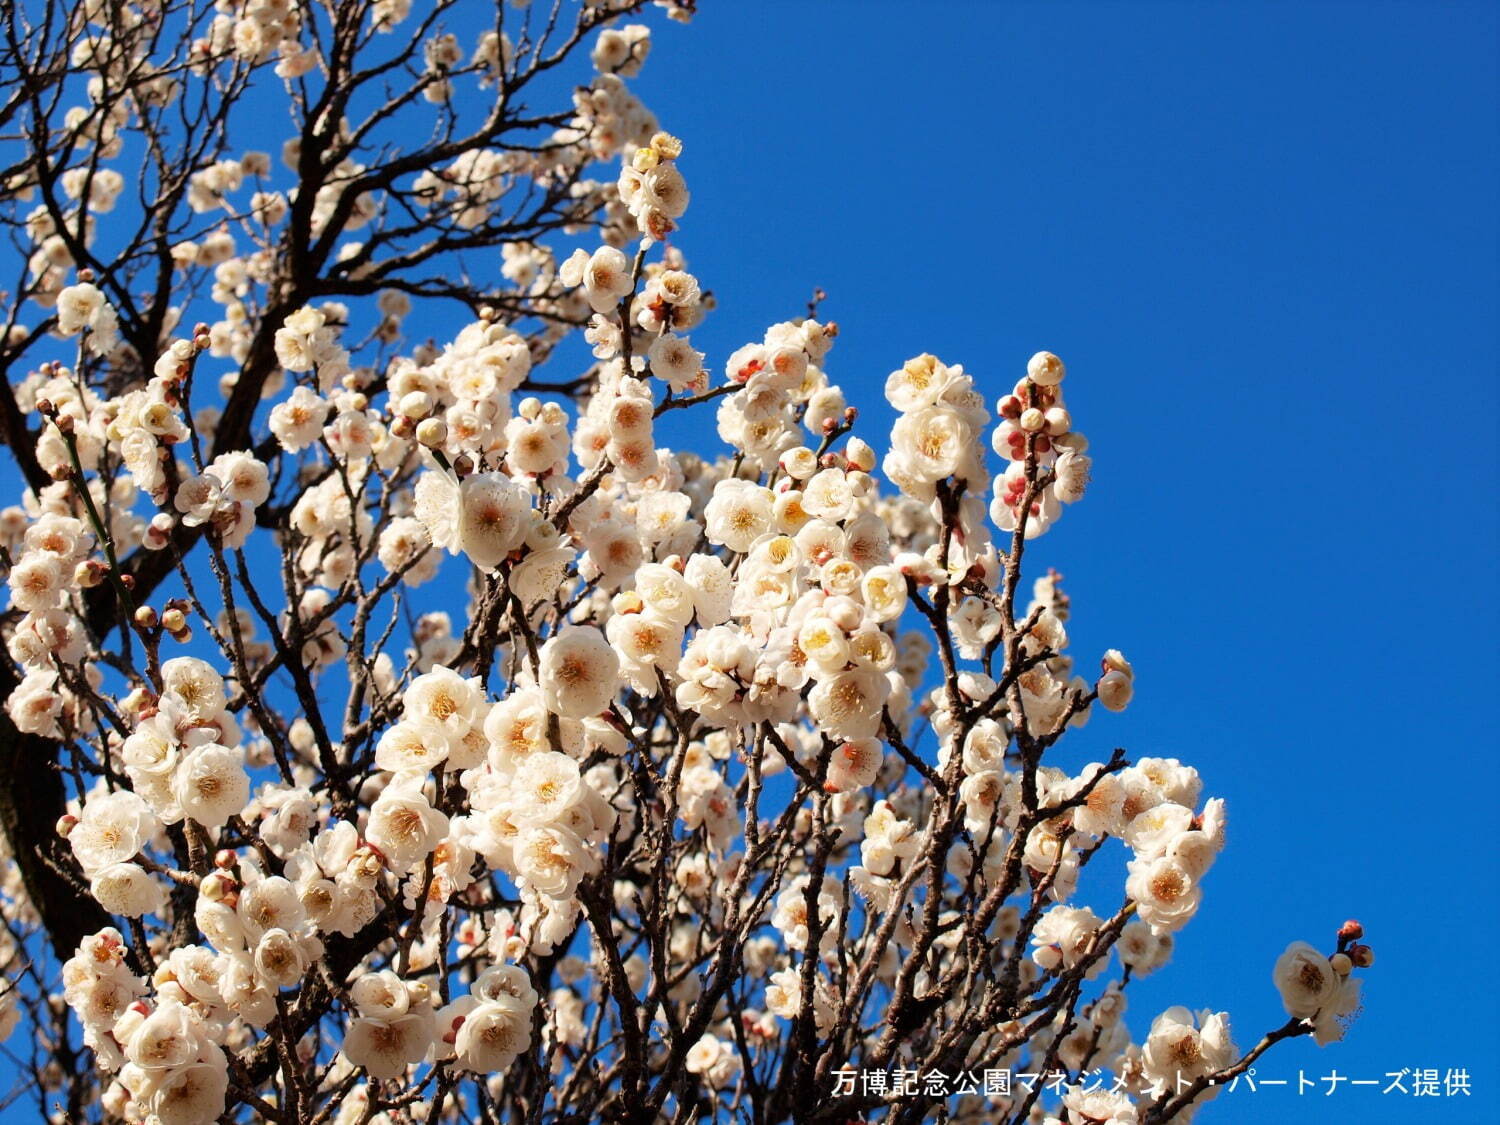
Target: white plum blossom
[
  {"x": 1306, "y": 980},
  {"x": 579, "y": 672}
]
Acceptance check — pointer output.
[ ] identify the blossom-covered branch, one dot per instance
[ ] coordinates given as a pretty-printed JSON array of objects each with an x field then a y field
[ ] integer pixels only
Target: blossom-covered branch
[{"x": 398, "y": 726}]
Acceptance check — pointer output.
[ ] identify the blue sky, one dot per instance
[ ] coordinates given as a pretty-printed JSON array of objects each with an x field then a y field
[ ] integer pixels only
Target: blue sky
[{"x": 1263, "y": 237}]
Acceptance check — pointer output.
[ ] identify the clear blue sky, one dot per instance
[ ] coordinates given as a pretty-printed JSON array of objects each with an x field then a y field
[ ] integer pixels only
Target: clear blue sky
[{"x": 1263, "y": 237}]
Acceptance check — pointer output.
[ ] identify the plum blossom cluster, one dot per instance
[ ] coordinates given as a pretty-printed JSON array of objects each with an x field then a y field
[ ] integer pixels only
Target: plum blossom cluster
[
  {"x": 1036, "y": 425},
  {"x": 170, "y": 1055},
  {"x": 50, "y": 556},
  {"x": 1323, "y": 989},
  {"x": 437, "y": 720}
]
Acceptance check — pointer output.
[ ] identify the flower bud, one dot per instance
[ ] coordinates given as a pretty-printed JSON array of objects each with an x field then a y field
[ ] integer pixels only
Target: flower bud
[
  {"x": 1362, "y": 956},
  {"x": 1059, "y": 421},
  {"x": 1032, "y": 420},
  {"x": 1351, "y": 931},
  {"x": 145, "y": 617},
  {"x": 137, "y": 700},
  {"x": 1114, "y": 661},
  {"x": 1045, "y": 369},
  {"x": 860, "y": 454},
  {"x": 225, "y": 859},
  {"x": 88, "y": 574},
  {"x": 1341, "y": 964},
  {"x": 627, "y": 602},
  {"x": 1115, "y": 690},
  {"x": 432, "y": 432},
  {"x": 65, "y": 825},
  {"x": 416, "y": 405},
  {"x": 174, "y": 620},
  {"x": 216, "y": 886}
]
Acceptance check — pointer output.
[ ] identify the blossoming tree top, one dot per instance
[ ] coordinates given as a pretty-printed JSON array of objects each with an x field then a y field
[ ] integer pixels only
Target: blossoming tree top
[{"x": 398, "y": 731}]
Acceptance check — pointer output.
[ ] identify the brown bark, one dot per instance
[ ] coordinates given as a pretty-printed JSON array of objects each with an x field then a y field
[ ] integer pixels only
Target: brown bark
[{"x": 32, "y": 798}]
